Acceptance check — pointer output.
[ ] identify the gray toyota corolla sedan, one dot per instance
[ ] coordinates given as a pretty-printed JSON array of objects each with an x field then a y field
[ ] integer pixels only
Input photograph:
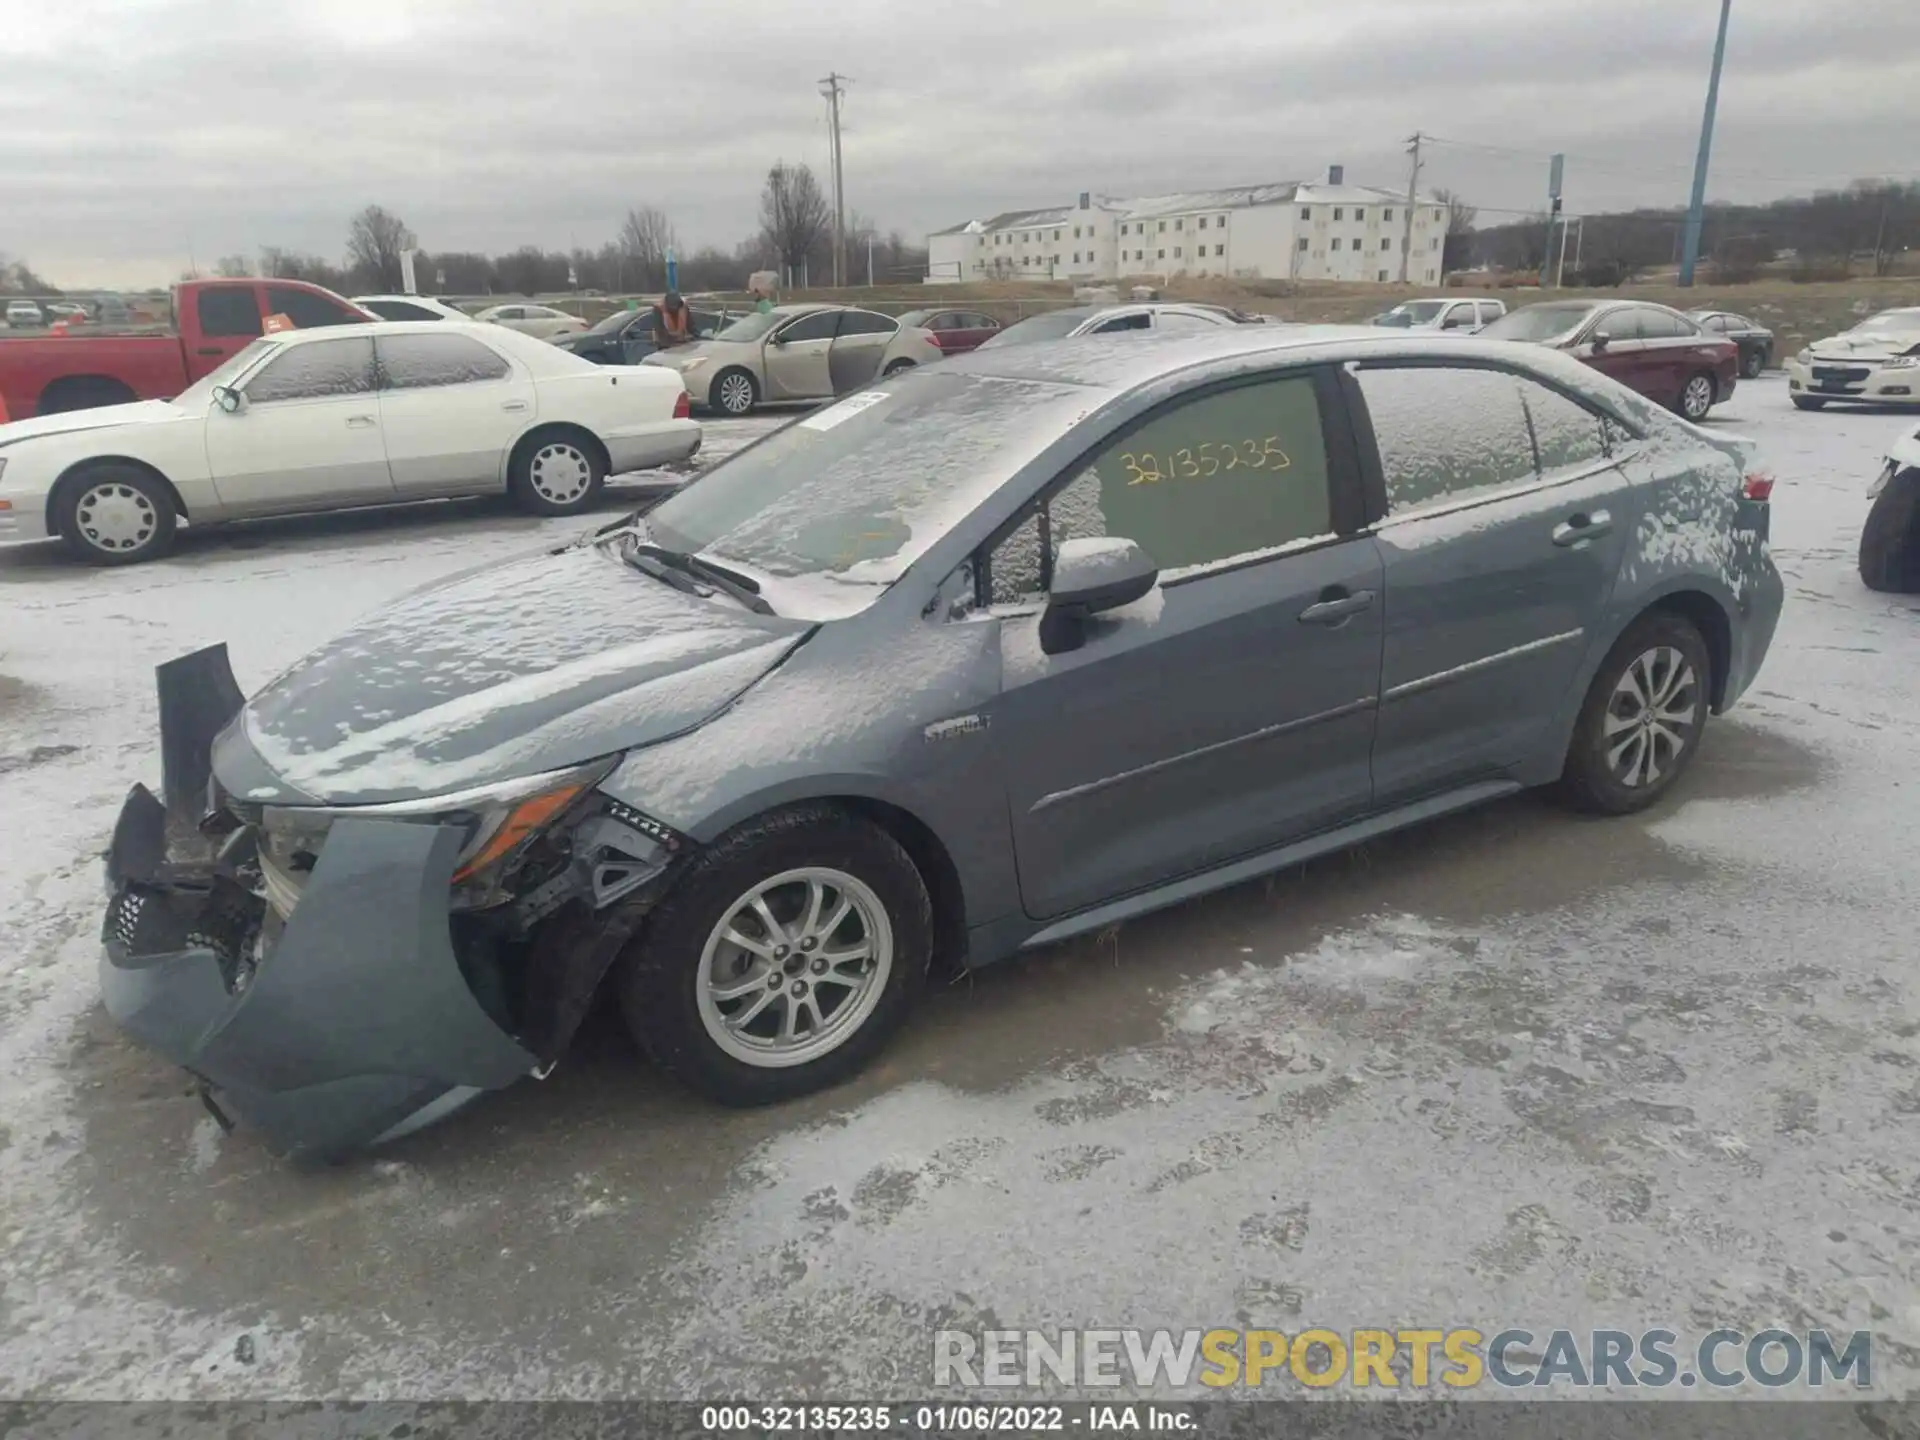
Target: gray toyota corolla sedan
[{"x": 988, "y": 655}]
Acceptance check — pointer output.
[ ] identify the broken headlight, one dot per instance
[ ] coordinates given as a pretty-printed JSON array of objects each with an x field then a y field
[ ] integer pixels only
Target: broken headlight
[{"x": 498, "y": 821}]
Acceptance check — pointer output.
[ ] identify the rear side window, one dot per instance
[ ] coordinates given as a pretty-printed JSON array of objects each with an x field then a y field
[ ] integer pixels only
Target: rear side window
[
  {"x": 307, "y": 310},
  {"x": 1569, "y": 436},
  {"x": 1447, "y": 434},
  {"x": 308, "y": 372},
  {"x": 420, "y": 362},
  {"x": 1225, "y": 475},
  {"x": 865, "y": 322},
  {"x": 1490, "y": 311},
  {"x": 401, "y": 310},
  {"x": 1142, "y": 321},
  {"x": 228, "y": 310}
]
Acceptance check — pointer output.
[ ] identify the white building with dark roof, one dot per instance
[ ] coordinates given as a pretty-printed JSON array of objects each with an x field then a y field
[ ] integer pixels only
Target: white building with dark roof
[{"x": 1292, "y": 230}]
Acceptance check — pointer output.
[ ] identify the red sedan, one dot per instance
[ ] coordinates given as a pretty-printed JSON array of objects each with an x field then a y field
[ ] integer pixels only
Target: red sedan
[
  {"x": 954, "y": 331},
  {"x": 1663, "y": 354}
]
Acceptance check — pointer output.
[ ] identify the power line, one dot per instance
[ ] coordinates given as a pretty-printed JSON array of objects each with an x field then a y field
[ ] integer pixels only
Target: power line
[{"x": 1622, "y": 167}]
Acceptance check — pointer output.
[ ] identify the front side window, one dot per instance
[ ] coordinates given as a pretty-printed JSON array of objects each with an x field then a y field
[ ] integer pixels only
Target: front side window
[
  {"x": 1447, "y": 434},
  {"x": 309, "y": 311},
  {"x": 325, "y": 370},
  {"x": 1141, "y": 321},
  {"x": 228, "y": 310},
  {"x": 1660, "y": 325},
  {"x": 1227, "y": 475},
  {"x": 421, "y": 362},
  {"x": 866, "y": 322}
]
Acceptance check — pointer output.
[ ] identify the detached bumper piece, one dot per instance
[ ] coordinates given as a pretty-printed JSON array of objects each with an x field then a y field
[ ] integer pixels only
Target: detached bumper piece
[{"x": 350, "y": 1024}]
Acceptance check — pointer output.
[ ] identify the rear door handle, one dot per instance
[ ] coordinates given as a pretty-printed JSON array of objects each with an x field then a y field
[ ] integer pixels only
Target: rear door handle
[
  {"x": 1578, "y": 529},
  {"x": 208, "y": 350},
  {"x": 360, "y": 422},
  {"x": 1336, "y": 607}
]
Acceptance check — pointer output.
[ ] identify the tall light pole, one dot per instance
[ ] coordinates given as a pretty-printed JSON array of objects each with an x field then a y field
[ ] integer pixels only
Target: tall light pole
[
  {"x": 833, "y": 87},
  {"x": 1696, "y": 211}
]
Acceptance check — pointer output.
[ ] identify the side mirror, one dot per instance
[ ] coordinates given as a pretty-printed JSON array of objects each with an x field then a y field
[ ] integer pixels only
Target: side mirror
[
  {"x": 229, "y": 399},
  {"x": 779, "y": 337},
  {"x": 1601, "y": 339},
  {"x": 1089, "y": 577}
]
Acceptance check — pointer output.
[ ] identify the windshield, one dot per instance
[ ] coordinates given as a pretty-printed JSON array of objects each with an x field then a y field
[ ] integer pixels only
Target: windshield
[
  {"x": 1537, "y": 322},
  {"x": 1888, "y": 321},
  {"x": 857, "y": 491},
  {"x": 751, "y": 327},
  {"x": 200, "y": 393},
  {"x": 1051, "y": 326}
]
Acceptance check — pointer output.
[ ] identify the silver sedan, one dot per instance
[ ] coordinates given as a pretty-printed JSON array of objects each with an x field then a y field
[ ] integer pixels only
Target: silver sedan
[{"x": 796, "y": 352}]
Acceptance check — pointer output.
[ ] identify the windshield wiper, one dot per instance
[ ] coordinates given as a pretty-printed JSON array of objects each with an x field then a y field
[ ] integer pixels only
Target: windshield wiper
[{"x": 743, "y": 588}]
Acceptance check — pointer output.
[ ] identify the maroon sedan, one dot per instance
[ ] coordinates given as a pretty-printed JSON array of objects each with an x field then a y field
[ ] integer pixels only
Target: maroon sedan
[
  {"x": 954, "y": 331},
  {"x": 1661, "y": 353}
]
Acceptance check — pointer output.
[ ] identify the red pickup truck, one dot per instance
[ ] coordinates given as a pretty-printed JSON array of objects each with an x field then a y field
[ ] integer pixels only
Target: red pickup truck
[{"x": 213, "y": 319}]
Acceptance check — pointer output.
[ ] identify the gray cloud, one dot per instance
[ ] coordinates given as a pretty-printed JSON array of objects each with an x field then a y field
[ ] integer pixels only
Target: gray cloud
[{"x": 138, "y": 131}]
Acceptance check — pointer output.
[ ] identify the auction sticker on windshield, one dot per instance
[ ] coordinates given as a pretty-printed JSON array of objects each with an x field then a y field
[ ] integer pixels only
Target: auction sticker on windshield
[{"x": 844, "y": 411}]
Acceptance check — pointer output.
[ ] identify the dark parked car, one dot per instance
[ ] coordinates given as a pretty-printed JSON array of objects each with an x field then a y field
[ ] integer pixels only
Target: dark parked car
[
  {"x": 954, "y": 331},
  {"x": 626, "y": 336},
  {"x": 1658, "y": 351},
  {"x": 1754, "y": 339},
  {"x": 988, "y": 654},
  {"x": 1890, "y": 540}
]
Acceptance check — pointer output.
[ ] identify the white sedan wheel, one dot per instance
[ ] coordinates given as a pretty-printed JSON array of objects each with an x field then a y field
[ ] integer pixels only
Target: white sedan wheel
[
  {"x": 560, "y": 472},
  {"x": 116, "y": 519}
]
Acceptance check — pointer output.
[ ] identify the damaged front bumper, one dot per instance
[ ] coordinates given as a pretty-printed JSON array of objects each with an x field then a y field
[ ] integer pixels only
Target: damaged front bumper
[{"x": 357, "y": 1018}]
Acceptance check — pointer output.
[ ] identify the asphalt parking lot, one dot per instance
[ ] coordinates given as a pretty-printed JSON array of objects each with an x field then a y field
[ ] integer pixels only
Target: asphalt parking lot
[{"x": 1516, "y": 1068}]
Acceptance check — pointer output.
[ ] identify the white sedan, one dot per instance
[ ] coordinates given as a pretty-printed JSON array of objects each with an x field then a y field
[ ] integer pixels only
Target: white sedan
[
  {"x": 543, "y": 322},
  {"x": 321, "y": 420},
  {"x": 1875, "y": 363}
]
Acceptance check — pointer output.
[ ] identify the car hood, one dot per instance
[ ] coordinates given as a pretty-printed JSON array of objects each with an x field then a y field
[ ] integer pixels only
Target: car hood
[
  {"x": 507, "y": 670},
  {"x": 105, "y": 417},
  {"x": 678, "y": 357},
  {"x": 1852, "y": 346}
]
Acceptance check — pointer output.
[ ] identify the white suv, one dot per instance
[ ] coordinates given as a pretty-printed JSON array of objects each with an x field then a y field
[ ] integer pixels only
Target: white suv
[{"x": 24, "y": 315}]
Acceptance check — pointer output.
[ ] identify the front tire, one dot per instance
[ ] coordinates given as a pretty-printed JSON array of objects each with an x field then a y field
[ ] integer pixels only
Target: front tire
[
  {"x": 557, "y": 472},
  {"x": 1890, "y": 540},
  {"x": 783, "y": 960},
  {"x": 115, "y": 515},
  {"x": 1808, "y": 402},
  {"x": 1642, "y": 719},
  {"x": 1697, "y": 397},
  {"x": 735, "y": 392}
]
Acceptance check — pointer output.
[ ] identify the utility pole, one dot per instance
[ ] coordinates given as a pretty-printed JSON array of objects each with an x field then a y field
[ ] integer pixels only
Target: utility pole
[
  {"x": 1556, "y": 177},
  {"x": 1413, "y": 199},
  {"x": 1696, "y": 211},
  {"x": 834, "y": 86}
]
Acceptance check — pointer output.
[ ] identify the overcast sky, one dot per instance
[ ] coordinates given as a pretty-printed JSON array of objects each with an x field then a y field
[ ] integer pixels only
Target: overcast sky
[{"x": 134, "y": 133}]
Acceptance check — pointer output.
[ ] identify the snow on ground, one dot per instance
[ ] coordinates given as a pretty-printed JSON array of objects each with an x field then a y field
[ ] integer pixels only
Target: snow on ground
[{"x": 1514, "y": 1068}]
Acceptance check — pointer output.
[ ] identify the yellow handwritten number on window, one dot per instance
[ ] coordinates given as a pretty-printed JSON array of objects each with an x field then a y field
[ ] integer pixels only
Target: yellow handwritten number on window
[{"x": 1193, "y": 463}]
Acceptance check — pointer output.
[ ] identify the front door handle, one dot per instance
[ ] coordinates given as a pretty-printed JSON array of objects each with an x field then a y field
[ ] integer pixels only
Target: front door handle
[
  {"x": 1578, "y": 529},
  {"x": 513, "y": 405},
  {"x": 209, "y": 350},
  {"x": 360, "y": 422},
  {"x": 1336, "y": 606}
]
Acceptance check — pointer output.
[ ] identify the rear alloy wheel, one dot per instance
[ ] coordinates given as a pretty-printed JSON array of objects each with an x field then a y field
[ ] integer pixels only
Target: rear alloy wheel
[
  {"x": 897, "y": 366},
  {"x": 557, "y": 475},
  {"x": 1890, "y": 540},
  {"x": 734, "y": 393},
  {"x": 1752, "y": 362},
  {"x": 1642, "y": 719},
  {"x": 115, "y": 515},
  {"x": 1808, "y": 402},
  {"x": 782, "y": 960},
  {"x": 1697, "y": 398}
]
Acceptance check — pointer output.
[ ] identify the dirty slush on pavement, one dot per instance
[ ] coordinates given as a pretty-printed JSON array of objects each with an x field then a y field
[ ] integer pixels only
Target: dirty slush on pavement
[{"x": 1510, "y": 1069}]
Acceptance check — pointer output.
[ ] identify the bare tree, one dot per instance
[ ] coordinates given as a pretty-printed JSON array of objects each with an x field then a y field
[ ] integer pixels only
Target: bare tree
[
  {"x": 1460, "y": 215},
  {"x": 233, "y": 267},
  {"x": 277, "y": 263},
  {"x": 793, "y": 215},
  {"x": 17, "y": 276},
  {"x": 375, "y": 238},
  {"x": 645, "y": 237}
]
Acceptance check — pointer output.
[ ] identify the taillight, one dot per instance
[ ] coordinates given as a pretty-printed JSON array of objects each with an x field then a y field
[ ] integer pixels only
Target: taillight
[
  {"x": 1758, "y": 487},
  {"x": 683, "y": 406}
]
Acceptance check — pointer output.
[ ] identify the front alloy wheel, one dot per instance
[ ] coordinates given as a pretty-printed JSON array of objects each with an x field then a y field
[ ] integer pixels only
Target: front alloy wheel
[
  {"x": 733, "y": 393},
  {"x": 1697, "y": 399}
]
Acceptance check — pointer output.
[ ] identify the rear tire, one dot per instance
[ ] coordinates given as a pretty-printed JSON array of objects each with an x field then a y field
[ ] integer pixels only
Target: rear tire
[
  {"x": 557, "y": 472},
  {"x": 1697, "y": 397},
  {"x": 1752, "y": 363},
  {"x": 735, "y": 392},
  {"x": 1890, "y": 540},
  {"x": 114, "y": 514},
  {"x": 897, "y": 366},
  {"x": 1808, "y": 402},
  {"x": 1642, "y": 720},
  {"x": 777, "y": 1039}
]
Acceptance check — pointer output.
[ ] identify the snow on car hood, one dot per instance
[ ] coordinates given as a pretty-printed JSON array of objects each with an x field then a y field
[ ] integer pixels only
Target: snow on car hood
[
  {"x": 105, "y": 417},
  {"x": 504, "y": 671},
  {"x": 1867, "y": 345}
]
